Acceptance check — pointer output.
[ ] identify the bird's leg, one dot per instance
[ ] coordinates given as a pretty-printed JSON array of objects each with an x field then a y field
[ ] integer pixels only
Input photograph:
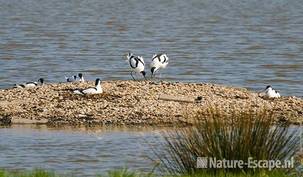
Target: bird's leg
[
  {"x": 131, "y": 73},
  {"x": 154, "y": 75}
]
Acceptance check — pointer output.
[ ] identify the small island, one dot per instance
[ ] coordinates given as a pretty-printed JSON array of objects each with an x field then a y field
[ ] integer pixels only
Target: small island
[{"x": 135, "y": 102}]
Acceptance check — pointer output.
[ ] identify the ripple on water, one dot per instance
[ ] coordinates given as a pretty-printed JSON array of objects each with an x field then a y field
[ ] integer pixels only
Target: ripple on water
[{"x": 76, "y": 150}]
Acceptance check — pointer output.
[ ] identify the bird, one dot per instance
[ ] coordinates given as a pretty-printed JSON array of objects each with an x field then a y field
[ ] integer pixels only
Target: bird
[
  {"x": 271, "y": 93},
  {"x": 71, "y": 79},
  {"x": 81, "y": 78},
  {"x": 136, "y": 63},
  {"x": 158, "y": 61},
  {"x": 30, "y": 84},
  {"x": 92, "y": 90}
]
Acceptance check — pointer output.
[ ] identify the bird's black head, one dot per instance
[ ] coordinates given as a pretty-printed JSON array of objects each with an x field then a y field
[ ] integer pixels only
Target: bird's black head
[
  {"x": 41, "y": 80},
  {"x": 98, "y": 81},
  {"x": 75, "y": 77},
  {"x": 267, "y": 87},
  {"x": 143, "y": 73},
  {"x": 153, "y": 69},
  {"x": 80, "y": 75}
]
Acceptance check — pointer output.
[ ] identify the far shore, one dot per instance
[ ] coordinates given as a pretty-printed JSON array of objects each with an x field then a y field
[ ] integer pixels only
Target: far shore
[{"x": 134, "y": 103}]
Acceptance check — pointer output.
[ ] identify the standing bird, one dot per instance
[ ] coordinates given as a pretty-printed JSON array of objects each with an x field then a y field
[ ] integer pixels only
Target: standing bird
[
  {"x": 136, "y": 63},
  {"x": 30, "y": 84},
  {"x": 271, "y": 93},
  {"x": 159, "y": 61},
  {"x": 81, "y": 78},
  {"x": 92, "y": 90},
  {"x": 71, "y": 79}
]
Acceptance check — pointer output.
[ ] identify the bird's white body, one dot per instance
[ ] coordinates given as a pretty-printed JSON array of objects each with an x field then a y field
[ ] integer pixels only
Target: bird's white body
[
  {"x": 30, "y": 84},
  {"x": 136, "y": 63},
  {"x": 271, "y": 93},
  {"x": 71, "y": 79},
  {"x": 93, "y": 90},
  {"x": 81, "y": 79},
  {"x": 159, "y": 61},
  {"x": 27, "y": 85}
]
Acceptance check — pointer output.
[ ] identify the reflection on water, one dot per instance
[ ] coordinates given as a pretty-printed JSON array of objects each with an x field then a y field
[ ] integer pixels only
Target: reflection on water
[
  {"x": 248, "y": 43},
  {"x": 79, "y": 151}
]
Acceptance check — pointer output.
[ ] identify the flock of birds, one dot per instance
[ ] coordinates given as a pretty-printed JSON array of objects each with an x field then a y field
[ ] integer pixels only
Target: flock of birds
[{"x": 137, "y": 64}]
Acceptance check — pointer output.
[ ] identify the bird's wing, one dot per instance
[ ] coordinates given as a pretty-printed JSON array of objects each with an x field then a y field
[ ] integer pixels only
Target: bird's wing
[
  {"x": 133, "y": 62},
  {"x": 163, "y": 58},
  {"x": 78, "y": 92},
  {"x": 167, "y": 59},
  {"x": 19, "y": 86},
  {"x": 141, "y": 60},
  {"x": 34, "y": 83},
  {"x": 89, "y": 90}
]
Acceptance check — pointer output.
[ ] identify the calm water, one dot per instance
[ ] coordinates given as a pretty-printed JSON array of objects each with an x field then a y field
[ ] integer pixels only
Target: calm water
[
  {"x": 248, "y": 43},
  {"x": 78, "y": 151},
  {"x": 81, "y": 151}
]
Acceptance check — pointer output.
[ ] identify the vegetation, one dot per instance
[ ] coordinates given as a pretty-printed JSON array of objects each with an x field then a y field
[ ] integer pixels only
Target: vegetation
[
  {"x": 34, "y": 173},
  {"x": 236, "y": 136},
  {"x": 127, "y": 173}
]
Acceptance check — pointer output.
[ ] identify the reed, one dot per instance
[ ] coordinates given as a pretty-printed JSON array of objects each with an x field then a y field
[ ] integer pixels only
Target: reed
[{"x": 235, "y": 136}]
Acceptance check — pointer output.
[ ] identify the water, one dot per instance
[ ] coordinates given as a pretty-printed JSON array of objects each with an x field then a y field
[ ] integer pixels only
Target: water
[
  {"x": 78, "y": 151},
  {"x": 82, "y": 151},
  {"x": 248, "y": 43}
]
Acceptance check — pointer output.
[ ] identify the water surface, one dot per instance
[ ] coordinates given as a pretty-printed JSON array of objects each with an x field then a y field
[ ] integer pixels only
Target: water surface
[
  {"x": 77, "y": 150},
  {"x": 247, "y": 43}
]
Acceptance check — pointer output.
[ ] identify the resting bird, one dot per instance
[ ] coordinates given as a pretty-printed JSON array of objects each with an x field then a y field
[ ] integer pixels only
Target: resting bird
[
  {"x": 271, "y": 93},
  {"x": 81, "y": 78},
  {"x": 137, "y": 64},
  {"x": 30, "y": 84},
  {"x": 158, "y": 61},
  {"x": 92, "y": 90},
  {"x": 71, "y": 79}
]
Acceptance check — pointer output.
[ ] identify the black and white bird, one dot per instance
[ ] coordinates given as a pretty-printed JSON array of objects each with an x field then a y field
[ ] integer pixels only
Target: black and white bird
[
  {"x": 30, "y": 84},
  {"x": 159, "y": 61},
  {"x": 136, "y": 63},
  {"x": 81, "y": 78},
  {"x": 92, "y": 90},
  {"x": 271, "y": 93},
  {"x": 71, "y": 79}
]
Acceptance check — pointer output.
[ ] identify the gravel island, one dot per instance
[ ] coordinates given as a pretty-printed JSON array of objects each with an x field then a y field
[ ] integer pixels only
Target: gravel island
[{"x": 134, "y": 102}]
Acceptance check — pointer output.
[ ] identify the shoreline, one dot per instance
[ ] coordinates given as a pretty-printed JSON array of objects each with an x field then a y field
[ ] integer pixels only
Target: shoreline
[{"x": 134, "y": 103}]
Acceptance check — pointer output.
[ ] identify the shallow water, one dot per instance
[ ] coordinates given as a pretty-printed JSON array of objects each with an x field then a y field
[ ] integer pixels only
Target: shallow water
[
  {"x": 81, "y": 151},
  {"x": 248, "y": 43},
  {"x": 78, "y": 151}
]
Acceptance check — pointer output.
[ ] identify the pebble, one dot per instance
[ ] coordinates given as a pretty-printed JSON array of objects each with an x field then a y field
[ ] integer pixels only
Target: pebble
[{"x": 136, "y": 102}]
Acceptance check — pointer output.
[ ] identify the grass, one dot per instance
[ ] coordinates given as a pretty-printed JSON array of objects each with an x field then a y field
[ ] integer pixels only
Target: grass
[
  {"x": 236, "y": 136},
  {"x": 33, "y": 173},
  {"x": 128, "y": 173}
]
